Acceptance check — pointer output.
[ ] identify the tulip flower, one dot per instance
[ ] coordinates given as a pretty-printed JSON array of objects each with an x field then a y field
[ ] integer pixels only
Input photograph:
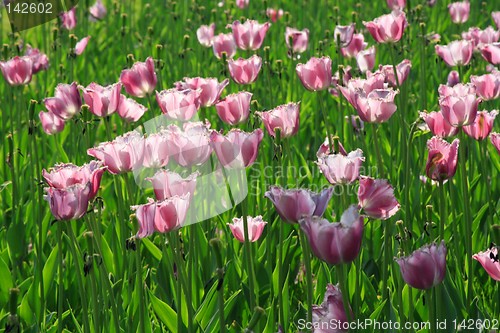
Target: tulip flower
[
  {"x": 335, "y": 243},
  {"x": 487, "y": 85},
  {"x": 284, "y": 117},
  {"x": 210, "y": 88},
  {"x": 191, "y": 145},
  {"x": 442, "y": 159},
  {"x": 458, "y": 104},
  {"x": 396, "y": 4},
  {"x": 496, "y": 18},
  {"x": 81, "y": 45},
  {"x": 340, "y": 168},
  {"x": 69, "y": 203},
  {"x": 491, "y": 53},
  {"x": 376, "y": 198},
  {"x": 18, "y": 70},
  {"x": 316, "y": 74},
  {"x": 495, "y": 140},
  {"x": 274, "y": 14},
  {"x": 459, "y": 11},
  {"x": 140, "y": 80},
  {"x": 294, "y": 205},
  {"x": 482, "y": 125},
  {"x": 242, "y": 3},
  {"x": 457, "y": 53},
  {"x": 453, "y": 79},
  {"x": 205, "y": 34},
  {"x": 255, "y": 227},
  {"x": 297, "y": 40},
  {"x": 98, "y": 10},
  {"x": 66, "y": 101},
  {"x": 425, "y": 267},
  {"x": 479, "y": 37},
  {"x": 387, "y": 28},
  {"x": 489, "y": 260},
  {"x": 377, "y": 106},
  {"x": 356, "y": 45},
  {"x": 51, "y": 123},
  {"x": 249, "y": 35},
  {"x": 130, "y": 110},
  {"x": 330, "y": 311},
  {"x": 438, "y": 125},
  {"x": 365, "y": 59},
  {"x": 344, "y": 34},
  {"x": 358, "y": 86},
  {"x": 157, "y": 150},
  {"x": 125, "y": 153},
  {"x": 235, "y": 108},
  {"x": 402, "y": 70},
  {"x": 179, "y": 104},
  {"x": 68, "y": 19},
  {"x": 224, "y": 43},
  {"x": 245, "y": 71},
  {"x": 102, "y": 101},
  {"x": 337, "y": 148},
  {"x": 167, "y": 184},
  {"x": 238, "y": 149},
  {"x": 39, "y": 60}
]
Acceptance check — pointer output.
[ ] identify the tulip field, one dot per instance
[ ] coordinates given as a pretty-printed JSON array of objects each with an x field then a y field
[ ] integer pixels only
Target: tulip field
[{"x": 250, "y": 166}]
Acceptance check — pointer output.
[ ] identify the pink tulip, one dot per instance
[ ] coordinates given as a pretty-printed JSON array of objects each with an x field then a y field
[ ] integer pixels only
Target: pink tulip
[
  {"x": 459, "y": 11},
  {"x": 337, "y": 148},
  {"x": 157, "y": 150},
  {"x": 238, "y": 149},
  {"x": 459, "y": 104},
  {"x": 377, "y": 106},
  {"x": 387, "y": 28},
  {"x": 335, "y": 243},
  {"x": 249, "y": 35},
  {"x": 357, "y": 124},
  {"x": 496, "y": 18},
  {"x": 274, "y": 14},
  {"x": 68, "y": 19},
  {"x": 344, "y": 34},
  {"x": 479, "y": 37},
  {"x": 425, "y": 267},
  {"x": 316, "y": 74},
  {"x": 357, "y": 45},
  {"x": 340, "y": 168},
  {"x": 457, "y": 53},
  {"x": 294, "y": 205},
  {"x": 453, "y": 79},
  {"x": 297, "y": 40},
  {"x": 489, "y": 260},
  {"x": 102, "y": 101},
  {"x": 98, "y": 10},
  {"x": 487, "y": 85},
  {"x": 210, "y": 88},
  {"x": 396, "y": 4},
  {"x": 51, "y": 123},
  {"x": 205, "y": 34},
  {"x": 365, "y": 59},
  {"x": 495, "y": 140},
  {"x": 255, "y": 227},
  {"x": 235, "y": 108},
  {"x": 438, "y": 125},
  {"x": 330, "y": 311},
  {"x": 140, "y": 80},
  {"x": 167, "y": 184},
  {"x": 38, "y": 59},
  {"x": 67, "y": 101},
  {"x": 18, "y": 70},
  {"x": 284, "y": 117},
  {"x": 179, "y": 104},
  {"x": 224, "y": 43},
  {"x": 81, "y": 45},
  {"x": 66, "y": 175},
  {"x": 442, "y": 159},
  {"x": 245, "y": 71},
  {"x": 162, "y": 216},
  {"x": 376, "y": 198},
  {"x": 190, "y": 146},
  {"x": 242, "y": 3},
  {"x": 69, "y": 203},
  {"x": 402, "y": 70},
  {"x": 358, "y": 86},
  {"x": 125, "y": 153},
  {"x": 130, "y": 110},
  {"x": 491, "y": 53},
  {"x": 482, "y": 125}
]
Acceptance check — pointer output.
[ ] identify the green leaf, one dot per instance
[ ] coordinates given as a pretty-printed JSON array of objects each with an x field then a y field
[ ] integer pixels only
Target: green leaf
[
  {"x": 164, "y": 312},
  {"x": 5, "y": 282}
]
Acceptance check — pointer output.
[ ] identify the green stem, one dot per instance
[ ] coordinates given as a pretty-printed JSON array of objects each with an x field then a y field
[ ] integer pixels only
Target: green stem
[
  {"x": 248, "y": 255},
  {"x": 307, "y": 262},
  {"x": 140, "y": 286},
  {"x": 376, "y": 143},
  {"x": 342, "y": 277},
  {"x": 60, "y": 293},
  {"x": 93, "y": 290},
  {"x": 325, "y": 119},
  {"x": 431, "y": 305}
]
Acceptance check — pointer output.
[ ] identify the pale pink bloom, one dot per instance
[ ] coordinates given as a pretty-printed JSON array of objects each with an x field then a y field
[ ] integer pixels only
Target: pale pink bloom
[
  {"x": 255, "y": 227},
  {"x": 458, "y": 104},
  {"x": 102, "y": 101},
  {"x": 442, "y": 159},
  {"x": 344, "y": 34},
  {"x": 330, "y": 311},
  {"x": 167, "y": 184},
  {"x": 459, "y": 11},
  {"x": 495, "y": 140},
  {"x": 491, "y": 53},
  {"x": 224, "y": 43},
  {"x": 340, "y": 168},
  {"x": 425, "y": 267},
  {"x": 489, "y": 259},
  {"x": 387, "y": 28},
  {"x": 438, "y": 125},
  {"x": 453, "y": 78},
  {"x": 366, "y": 59},
  {"x": 377, "y": 106},
  {"x": 130, "y": 110},
  {"x": 66, "y": 101},
  {"x": 357, "y": 86},
  {"x": 496, "y": 18},
  {"x": 284, "y": 117},
  {"x": 38, "y": 59},
  {"x": 179, "y": 104},
  {"x": 487, "y": 85},
  {"x": 356, "y": 45},
  {"x": 205, "y": 34},
  {"x": 51, "y": 123},
  {"x": 81, "y": 45},
  {"x": 140, "y": 80},
  {"x": 157, "y": 150},
  {"x": 396, "y": 4},
  {"x": 249, "y": 35},
  {"x": 294, "y": 205},
  {"x": 18, "y": 70},
  {"x": 237, "y": 149},
  {"x": 242, "y": 3},
  {"x": 335, "y": 243},
  {"x": 479, "y": 37},
  {"x": 337, "y": 148},
  {"x": 457, "y": 89},
  {"x": 482, "y": 125},
  {"x": 210, "y": 88},
  {"x": 245, "y": 71},
  {"x": 376, "y": 198},
  {"x": 69, "y": 203},
  {"x": 457, "y": 53},
  {"x": 235, "y": 108},
  {"x": 299, "y": 39},
  {"x": 316, "y": 74},
  {"x": 191, "y": 145},
  {"x": 402, "y": 70},
  {"x": 125, "y": 153},
  {"x": 68, "y": 19},
  {"x": 98, "y": 10},
  {"x": 357, "y": 124},
  {"x": 274, "y": 14}
]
